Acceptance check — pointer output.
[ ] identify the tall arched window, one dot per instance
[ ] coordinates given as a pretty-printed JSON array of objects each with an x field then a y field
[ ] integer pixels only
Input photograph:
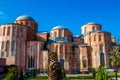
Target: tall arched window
[
  {"x": 3, "y": 44},
  {"x": 4, "y": 30},
  {"x": 101, "y": 49},
  {"x": 100, "y": 38},
  {"x": 102, "y": 63},
  {"x": 7, "y": 45},
  {"x": 7, "y": 54},
  {"x": 13, "y": 45},
  {"x": 8, "y": 31},
  {"x": 86, "y": 29}
]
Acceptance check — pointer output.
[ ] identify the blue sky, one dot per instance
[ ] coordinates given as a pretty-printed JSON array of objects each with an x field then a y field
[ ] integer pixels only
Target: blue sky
[{"x": 69, "y": 13}]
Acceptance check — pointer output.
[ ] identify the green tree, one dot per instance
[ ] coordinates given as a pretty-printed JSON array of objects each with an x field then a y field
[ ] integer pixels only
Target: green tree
[
  {"x": 115, "y": 59},
  {"x": 101, "y": 74},
  {"x": 10, "y": 74}
]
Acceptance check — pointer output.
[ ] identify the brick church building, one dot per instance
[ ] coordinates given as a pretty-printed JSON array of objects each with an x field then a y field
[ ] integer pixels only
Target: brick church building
[{"x": 21, "y": 44}]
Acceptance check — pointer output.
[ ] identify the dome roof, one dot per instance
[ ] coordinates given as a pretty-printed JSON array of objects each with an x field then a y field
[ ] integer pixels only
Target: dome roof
[
  {"x": 59, "y": 27},
  {"x": 91, "y": 23},
  {"x": 25, "y": 17}
]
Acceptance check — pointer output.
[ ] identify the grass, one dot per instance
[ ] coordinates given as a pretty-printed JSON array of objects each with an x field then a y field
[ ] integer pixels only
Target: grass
[{"x": 71, "y": 77}]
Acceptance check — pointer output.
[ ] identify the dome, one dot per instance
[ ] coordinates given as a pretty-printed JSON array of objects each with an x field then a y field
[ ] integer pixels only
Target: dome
[
  {"x": 25, "y": 17},
  {"x": 59, "y": 27},
  {"x": 91, "y": 23}
]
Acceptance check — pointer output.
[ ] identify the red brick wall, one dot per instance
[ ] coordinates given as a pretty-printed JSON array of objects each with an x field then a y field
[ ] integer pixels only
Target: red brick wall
[{"x": 42, "y": 37}]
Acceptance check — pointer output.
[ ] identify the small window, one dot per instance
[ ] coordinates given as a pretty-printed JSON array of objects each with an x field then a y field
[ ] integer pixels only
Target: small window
[
  {"x": 21, "y": 23},
  {"x": 2, "y": 54},
  {"x": 94, "y": 28}
]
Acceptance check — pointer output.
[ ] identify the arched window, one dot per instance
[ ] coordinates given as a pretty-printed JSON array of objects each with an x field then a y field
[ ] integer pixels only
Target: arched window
[
  {"x": 94, "y": 28},
  {"x": 7, "y": 45},
  {"x": 8, "y": 31},
  {"x": 101, "y": 49},
  {"x": 4, "y": 30},
  {"x": 13, "y": 45},
  {"x": 102, "y": 59},
  {"x": 86, "y": 29},
  {"x": 99, "y": 37},
  {"x": 21, "y": 23},
  {"x": 2, "y": 47}
]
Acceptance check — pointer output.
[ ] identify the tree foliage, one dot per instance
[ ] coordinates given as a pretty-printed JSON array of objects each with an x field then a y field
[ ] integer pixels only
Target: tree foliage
[
  {"x": 55, "y": 69},
  {"x": 101, "y": 74},
  {"x": 10, "y": 74},
  {"x": 115, "y": 59}
]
